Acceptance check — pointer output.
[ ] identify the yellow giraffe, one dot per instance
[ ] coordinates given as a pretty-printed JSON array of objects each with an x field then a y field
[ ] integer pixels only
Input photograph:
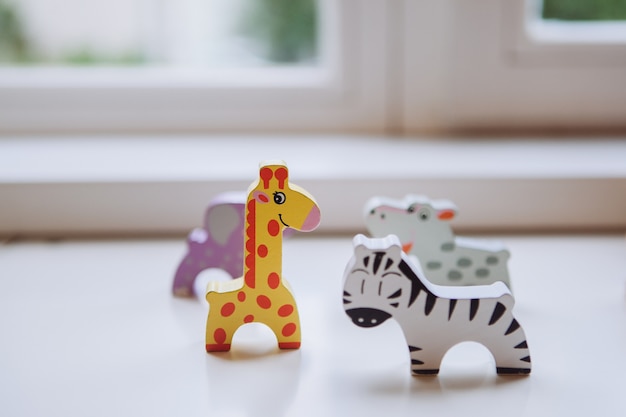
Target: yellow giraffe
[{"x": 261, "y": 294}]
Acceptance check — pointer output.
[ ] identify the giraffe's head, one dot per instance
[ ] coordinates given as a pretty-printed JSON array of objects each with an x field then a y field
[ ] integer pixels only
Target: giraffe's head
[{"x": 287, "y": 205}]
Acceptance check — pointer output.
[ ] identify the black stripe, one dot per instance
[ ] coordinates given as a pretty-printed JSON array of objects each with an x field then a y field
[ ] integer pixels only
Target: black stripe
[
  {"x": 513, "y": 371},
  {"x": 395, "y": 305},
  {"x": 474, "y": 303},
  {"x": 414, "y": 348},
  {"x": 346, "y": 294},
  {"x": 377, "y": 260},
  {"x": 522, "y": 345},
  {"x": 525, "y": 359},
  {"x": 498, "y": 311},
  {"x": 425, "y": 371},
  {"x": 430, "y": 303},
  {"x": 514, "y": 326},
  {"x": 389, "y": 263},
  {"x": 346, "y": 301},
  {"x": 396, "y": 294},
  {"x": 366, "y": 261},
  {"x": 416, "y": 362},
  {"x": 451, "y": 308}
]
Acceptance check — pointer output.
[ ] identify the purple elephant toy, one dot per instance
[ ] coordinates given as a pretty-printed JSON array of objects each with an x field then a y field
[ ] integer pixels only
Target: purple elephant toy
[{"x": 219, "y": 244}]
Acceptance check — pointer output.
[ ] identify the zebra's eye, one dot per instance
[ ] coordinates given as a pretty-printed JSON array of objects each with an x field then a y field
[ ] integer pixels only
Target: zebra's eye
[
  {"x": 279, "y": 198},
  {"x": 424, "y": 214}
]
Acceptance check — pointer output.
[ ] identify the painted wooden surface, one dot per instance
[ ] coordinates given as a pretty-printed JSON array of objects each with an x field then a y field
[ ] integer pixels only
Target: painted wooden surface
[
  {"x": 381, "y": 282},
  {"x": 423, "y": 227},
  {"x": 218, "y": 244},
  {"x": 261, "y": 294}
]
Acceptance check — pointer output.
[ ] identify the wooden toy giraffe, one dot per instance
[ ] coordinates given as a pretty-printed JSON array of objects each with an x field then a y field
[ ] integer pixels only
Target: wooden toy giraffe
[{"x": 261, "y": 294}]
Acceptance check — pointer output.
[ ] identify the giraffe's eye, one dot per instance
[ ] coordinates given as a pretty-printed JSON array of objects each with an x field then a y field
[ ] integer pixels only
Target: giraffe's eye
[
  {"x": 279, "y": 198},
  {"x": 424, "y": 214}
]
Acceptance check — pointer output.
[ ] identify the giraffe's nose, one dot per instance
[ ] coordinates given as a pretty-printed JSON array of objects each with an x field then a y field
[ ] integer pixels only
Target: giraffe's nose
[{"x": 312, "y": 220}]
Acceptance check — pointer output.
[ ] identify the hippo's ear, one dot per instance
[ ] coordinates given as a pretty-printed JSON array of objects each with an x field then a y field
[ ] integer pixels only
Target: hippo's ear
[
  {"x": 445, "y": 209},
  {"x": 446, "y": 214}
]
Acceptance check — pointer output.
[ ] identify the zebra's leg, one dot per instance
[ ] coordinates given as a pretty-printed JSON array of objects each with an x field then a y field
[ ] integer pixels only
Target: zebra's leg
[
  {"x": 424, "y": 362},
  {"x": 511, "y": 353}
]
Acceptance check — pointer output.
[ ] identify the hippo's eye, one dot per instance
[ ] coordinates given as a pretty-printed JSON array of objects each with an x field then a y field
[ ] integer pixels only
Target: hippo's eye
[
  {"x": 373, "y": 211},
  {"x": 411, "y": 209},
  {"x": 279, "y": 198},
  {"x": 424, "y": 214}
]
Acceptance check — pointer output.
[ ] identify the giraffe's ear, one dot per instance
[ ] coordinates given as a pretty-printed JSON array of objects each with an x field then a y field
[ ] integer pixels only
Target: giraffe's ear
[{"x": 261, "y": 197}]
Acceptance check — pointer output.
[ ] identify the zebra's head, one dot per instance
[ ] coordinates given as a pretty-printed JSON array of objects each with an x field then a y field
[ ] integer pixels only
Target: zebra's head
[{"x": 376, "y": 285}]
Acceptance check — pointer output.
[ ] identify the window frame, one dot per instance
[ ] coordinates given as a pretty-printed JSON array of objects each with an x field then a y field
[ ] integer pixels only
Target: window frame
[{"x": 483, "y": 70}]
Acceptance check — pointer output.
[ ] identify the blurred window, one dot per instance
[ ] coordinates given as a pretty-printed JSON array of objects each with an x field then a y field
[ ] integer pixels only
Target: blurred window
[{"x": 170, "y": 33}]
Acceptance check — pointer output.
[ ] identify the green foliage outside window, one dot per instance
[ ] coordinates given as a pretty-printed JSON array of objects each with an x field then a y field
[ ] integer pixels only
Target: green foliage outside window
[
  {"x": 584, "y": 10},
  {"x": 286, "y": 29},
  {"x": 14, "y": 45}
]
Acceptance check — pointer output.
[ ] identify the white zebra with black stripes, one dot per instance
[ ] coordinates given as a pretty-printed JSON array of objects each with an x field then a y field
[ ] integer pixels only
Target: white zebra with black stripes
[{"x": 381, "y": 282}]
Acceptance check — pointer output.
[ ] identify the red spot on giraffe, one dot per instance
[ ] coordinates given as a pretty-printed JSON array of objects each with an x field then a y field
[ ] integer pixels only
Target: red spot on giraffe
[
  {"x": 219, "y": 335},
  {"x": 264, "y": 302},
  {"x": 281, "y": 176},
  {"x": 250, "y": 279},
  {"x": 251, "y": 207},
  {"x": 273, "y": 228},
  {"x": 241, "y": 296},
  {"x": 250, "y": 261},
  {"x": 289, "y": 329},
  {"x": 285, "y": 310},
  {"x": 273, "y": 280},
  {"x": 227, "y": 309},
  {"x": 266, "y": 175},
  {"x": 262, "y": 251},
  {"x": 250, "y": 245},
  {"x": 248, "y": 319}
]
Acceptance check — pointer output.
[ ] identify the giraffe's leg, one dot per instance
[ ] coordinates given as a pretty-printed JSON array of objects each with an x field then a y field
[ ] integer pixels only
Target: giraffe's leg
[
  {"x": 287, "y": 330},
  {"x": 219, "y": 335}
]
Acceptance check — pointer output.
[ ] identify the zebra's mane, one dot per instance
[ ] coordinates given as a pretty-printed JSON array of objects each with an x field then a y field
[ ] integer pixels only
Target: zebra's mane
[{"x": 416, "y": 283}]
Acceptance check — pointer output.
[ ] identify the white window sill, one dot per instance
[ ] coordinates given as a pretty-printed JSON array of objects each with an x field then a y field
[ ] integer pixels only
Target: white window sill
[
  {"x": 90, "y": 328},
  {"x": 141, "y": 185}
]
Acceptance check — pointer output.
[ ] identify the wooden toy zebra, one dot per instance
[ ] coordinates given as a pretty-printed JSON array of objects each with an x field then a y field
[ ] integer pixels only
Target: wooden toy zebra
[
  {"x": 382, "y": 282},
  {"x": 422, "y": 225}
]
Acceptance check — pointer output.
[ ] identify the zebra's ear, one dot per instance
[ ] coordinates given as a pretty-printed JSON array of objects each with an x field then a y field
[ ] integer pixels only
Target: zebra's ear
[
  {"x": 361, "y": 245},
  {"x": 395, "y": 250}
]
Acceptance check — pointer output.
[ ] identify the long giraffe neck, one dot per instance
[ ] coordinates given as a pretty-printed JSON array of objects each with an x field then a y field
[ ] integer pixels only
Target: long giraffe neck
[{"x": 262, "y": 249}]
